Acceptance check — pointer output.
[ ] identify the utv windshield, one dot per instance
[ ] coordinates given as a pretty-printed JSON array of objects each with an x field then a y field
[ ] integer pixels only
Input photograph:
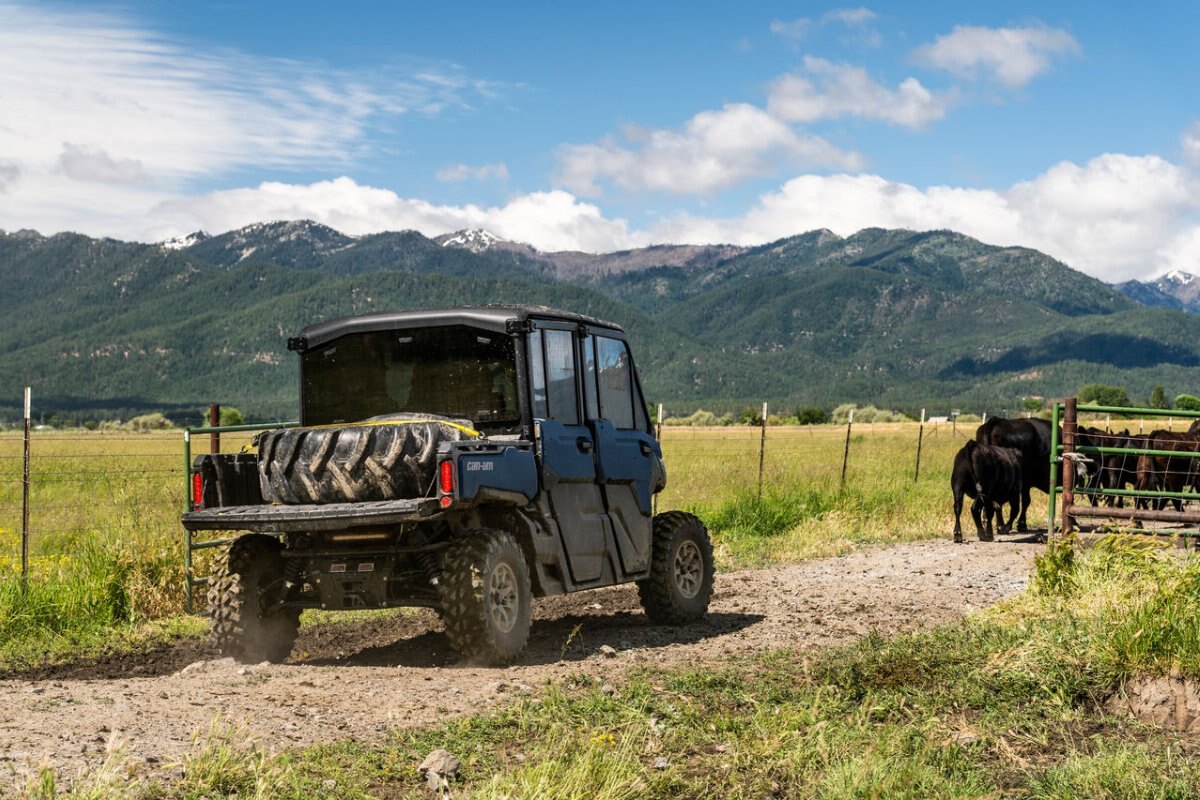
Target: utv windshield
[{"x": 452, "y": 371}]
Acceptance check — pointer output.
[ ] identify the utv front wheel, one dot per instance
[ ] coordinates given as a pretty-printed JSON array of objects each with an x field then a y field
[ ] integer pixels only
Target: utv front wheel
[
  {"x": 680, "y": 583},
  {"x": 486, "y": 600},
  {"x": 246, "y": 588}
]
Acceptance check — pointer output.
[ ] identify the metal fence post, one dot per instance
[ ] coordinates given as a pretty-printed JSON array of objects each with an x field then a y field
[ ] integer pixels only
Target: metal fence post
[
  {"x": 846, "y": 452},
  {"x": 762, "y": 450},
  {"x": 920, "y": 436},
  {"x": 25, "y": 494}
]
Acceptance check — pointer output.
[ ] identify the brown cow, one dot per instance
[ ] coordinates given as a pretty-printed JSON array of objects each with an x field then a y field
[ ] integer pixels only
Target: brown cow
[{"x": 1168, "y": 473}]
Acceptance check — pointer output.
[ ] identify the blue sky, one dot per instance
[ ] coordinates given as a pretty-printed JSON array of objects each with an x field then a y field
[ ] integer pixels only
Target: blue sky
[{"x": 1071, "y": 128}]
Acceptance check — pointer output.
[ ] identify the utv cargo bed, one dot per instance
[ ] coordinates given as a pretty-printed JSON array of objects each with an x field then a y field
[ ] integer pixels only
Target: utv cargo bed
[{"x": 325, "y": 517}]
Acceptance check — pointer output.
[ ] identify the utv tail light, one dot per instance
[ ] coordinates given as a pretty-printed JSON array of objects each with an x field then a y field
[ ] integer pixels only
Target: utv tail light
[
  {"x": 197, "y": 490},
  {"x": 446, "y": 483}
]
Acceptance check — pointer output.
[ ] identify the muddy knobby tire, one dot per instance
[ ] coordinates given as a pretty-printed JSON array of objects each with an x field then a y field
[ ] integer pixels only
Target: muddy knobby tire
[
  {"x": 680, "y": 583},
  {"x": 347, "y": 465},
  {"x": 487, "y": 603},
  {"x": 245, "y": 578}
]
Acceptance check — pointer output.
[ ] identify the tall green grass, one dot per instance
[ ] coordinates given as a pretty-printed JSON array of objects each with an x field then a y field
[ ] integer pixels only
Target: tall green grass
[{"x": 105, "y": 544}]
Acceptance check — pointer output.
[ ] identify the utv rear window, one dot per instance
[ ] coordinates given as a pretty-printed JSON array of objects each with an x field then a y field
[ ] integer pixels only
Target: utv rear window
[{"x": 452, "y": 371}]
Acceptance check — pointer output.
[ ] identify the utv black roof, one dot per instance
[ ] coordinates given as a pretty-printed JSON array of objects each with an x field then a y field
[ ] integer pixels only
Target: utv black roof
[{"x": 490, "y": 317}]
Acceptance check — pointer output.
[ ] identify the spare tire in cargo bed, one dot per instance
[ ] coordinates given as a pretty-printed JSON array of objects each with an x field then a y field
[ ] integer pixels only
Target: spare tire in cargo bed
[{"x": 384, "y": 458}]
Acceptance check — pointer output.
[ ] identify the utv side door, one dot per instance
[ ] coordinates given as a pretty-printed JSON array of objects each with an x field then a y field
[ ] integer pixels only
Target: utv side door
[
  {"x": 568, "y": 448},
  {"x": 628, "y": 457}
]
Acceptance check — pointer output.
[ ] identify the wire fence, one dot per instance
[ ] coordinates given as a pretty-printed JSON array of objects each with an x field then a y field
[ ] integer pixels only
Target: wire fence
[
  {"x": 1137, "y": 482},
  {"x": 120, "y": 489},
  {"x": 124, "y": 489},
  {"x": 89, "y": 489}
]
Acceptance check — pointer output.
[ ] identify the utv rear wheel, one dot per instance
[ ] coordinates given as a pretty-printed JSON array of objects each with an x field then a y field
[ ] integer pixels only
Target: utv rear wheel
[
  {"x": 246, "y": 587},
  {"x": 681, "y": 570},
  {"x": 486, "y": 598}
]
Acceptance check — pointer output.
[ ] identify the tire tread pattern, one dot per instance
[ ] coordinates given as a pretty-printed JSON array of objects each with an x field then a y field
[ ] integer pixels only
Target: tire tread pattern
[
  {"x": 657, "y": 592},
  {"x": 464, "y": 608},
  {"x": 236, "y": 628}
]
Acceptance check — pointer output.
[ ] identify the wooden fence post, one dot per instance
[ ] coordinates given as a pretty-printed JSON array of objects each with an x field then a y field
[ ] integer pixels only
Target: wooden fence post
[
  {"x": 1068, "y": 467},
  {"x": 214, "y": 419}
]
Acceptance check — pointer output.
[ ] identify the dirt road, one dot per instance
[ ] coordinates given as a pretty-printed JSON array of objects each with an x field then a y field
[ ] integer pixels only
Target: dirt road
[{"x": 359, "y": 680}]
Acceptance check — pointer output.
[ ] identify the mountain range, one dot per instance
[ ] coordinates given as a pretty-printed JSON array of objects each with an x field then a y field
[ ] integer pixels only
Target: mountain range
[
  {"x": 1176, "y": 289},
  {"x": 102, "y": 328}
]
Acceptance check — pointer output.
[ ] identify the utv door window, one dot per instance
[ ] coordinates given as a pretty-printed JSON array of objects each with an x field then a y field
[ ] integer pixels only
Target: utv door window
[
  {"x": 552, "y": 368},
  {"x": 591, "y": 400},
  {"x": 615, "y": 376},
  {"x": 537, "y": 376}
]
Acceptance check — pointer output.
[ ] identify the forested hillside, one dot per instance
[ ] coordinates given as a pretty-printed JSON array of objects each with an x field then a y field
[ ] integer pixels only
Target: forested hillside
[{"x": 102, "y": 328}]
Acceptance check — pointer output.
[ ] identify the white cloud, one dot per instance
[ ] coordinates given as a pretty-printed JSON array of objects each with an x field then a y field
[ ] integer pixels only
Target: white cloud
[
  {"x": 103, "y": 117},
  {"x": 849, "y": 16},
  {"x": 1111, "y": 215},
  {"x": 90, "y": 164},
  {"x": 9, "y": 173},
  {"x": 846, "y": 90},
  {"x": 1182, "y": 252},
  {"x": 1189, "y": 143},
  {"x": 857, "y": 19},
  {"x": 791, "y": 29},
  {"x": 456, "y": 173},
  {"x": 713, "y": 150},
  {"x": 549, "y": 220},
  {"x": 1013, "y": 56}
]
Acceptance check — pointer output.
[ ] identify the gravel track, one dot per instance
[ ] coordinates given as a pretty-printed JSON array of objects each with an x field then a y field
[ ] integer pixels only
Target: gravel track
[{"x": 359, "y": 680}]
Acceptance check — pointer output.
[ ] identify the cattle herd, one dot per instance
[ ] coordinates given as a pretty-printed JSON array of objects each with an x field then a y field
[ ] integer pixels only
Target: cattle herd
[{"x": 1009, "y": 457}]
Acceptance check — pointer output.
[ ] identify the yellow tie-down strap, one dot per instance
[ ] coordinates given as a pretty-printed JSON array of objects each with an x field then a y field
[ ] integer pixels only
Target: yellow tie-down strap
[{"x": 455, "y": 425}]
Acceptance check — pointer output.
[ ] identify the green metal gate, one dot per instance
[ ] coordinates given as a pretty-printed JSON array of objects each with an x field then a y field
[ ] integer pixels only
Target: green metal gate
[
  {"x": 191, "y": 545},
  {"x": 1085, "y": 452}
]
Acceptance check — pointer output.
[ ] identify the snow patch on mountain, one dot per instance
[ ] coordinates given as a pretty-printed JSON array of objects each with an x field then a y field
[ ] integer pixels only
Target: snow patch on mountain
[
  {"x": 1177, "y": 276},
  {"x": 183, "y": 242},
  {"x": 476, "y": 240}
]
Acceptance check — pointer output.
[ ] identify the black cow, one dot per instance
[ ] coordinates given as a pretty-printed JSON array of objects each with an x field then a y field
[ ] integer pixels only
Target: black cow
[
  {"x": 1120, "y": 469},
  {"x": 1088, "y": 473},
  {"x": 991, "y": 476},
  {"x": 1031, "y": 439}
]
